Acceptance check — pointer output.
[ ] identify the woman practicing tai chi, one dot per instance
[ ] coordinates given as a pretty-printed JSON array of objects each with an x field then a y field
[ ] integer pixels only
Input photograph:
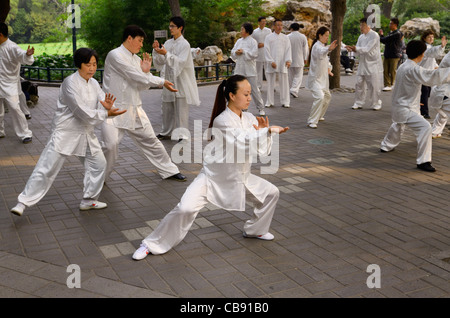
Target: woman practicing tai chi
[{"x": 224, "y": 179}]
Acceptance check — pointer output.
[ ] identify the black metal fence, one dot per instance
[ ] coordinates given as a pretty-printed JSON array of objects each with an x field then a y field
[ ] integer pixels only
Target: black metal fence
[{"x": 206, "y": 73}]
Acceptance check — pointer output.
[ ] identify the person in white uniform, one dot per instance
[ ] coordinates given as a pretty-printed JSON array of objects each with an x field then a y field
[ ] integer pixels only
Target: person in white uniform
[
  {"x": 174, "y": 60},
  {"x": 224, "y": 182},
  {"x": 278, "y": 60},
  {"x": 245, "y": 52},
  {"x": 370, "y": 69},
  {"x": 11, "y": 58},
  {"x": 429, "y": 61},
  {"x": 260, "y": 36},
  {"x": 300, "y": 52},
  {"x": 81, "y": 106},
  {"x": 406, "y": 104},
  {"x": 319, "y": 70},
  {"x": 440, "y": 101},
  {"x": 125, "y": 76}
]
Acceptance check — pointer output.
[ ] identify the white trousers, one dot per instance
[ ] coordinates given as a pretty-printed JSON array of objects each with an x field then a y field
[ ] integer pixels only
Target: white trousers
[
  {"x": 284, "y": 88},
  {"x": 256, "y": 93},
  {"x": 295, "y": 79},
  {"x": 441, "y": 117},
  {"x": 176, "y": 224},
  {"x": 368, "y": 86},
  {"x": 260, "y": 73},
  {"x": 145, "y": 139},
  {"x": 175, "y": 115},
  {"x": 18, "y": 120},
  {"x": 48, "y": 167},
  {"x": 322, "y": 98},
  {"x": 421, "y": 128},
  {"x": 23, "y": 103}
]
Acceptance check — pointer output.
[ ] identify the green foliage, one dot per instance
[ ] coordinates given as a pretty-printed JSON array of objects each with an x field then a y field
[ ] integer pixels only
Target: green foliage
[{"x": 54, "y": 61}]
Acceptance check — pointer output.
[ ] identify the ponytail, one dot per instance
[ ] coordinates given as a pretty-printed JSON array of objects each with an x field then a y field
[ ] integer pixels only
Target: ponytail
[{"x": 321, "y": 31}]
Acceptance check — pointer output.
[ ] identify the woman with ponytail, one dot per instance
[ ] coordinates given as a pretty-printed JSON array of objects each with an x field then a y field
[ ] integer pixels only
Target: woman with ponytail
[
  {"x": 319, "y": 69},
  {"x": 225, "y": 177}
]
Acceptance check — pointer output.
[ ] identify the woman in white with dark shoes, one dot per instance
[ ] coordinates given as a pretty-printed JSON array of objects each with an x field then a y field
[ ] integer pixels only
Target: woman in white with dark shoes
[
  {"x": 224, "y": 181},
  {"x": 81, "y": 106}
]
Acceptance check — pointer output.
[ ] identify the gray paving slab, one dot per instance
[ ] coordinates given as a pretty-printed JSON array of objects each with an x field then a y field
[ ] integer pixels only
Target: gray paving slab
[{"x": 343, "y": 206}]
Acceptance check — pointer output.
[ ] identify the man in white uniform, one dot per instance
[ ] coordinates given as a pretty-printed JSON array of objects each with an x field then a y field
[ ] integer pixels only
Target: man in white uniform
[
  {"x": 278, "y": 60},
  {"x": 125, "y": 76},
  {"x": 370, "y": 69},
  {"x": 440, "y": 101},
  {"x": 300, "y": 51},
  {"x": 406, "y": 104},
  {"x": 244, "y": 53},
  {"x": 260, "y": 35},
  {"x": 11, "y": 58},
  {"x": 174, "y": 60}
]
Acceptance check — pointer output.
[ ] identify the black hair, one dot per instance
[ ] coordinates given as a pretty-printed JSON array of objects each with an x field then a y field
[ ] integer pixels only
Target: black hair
[
  {"x": 4, "y": 29},
  {"x": 425, "y": 34},
  {"x": 321, "y": 31},
  {"x": 363, "y": 20},
  {"x": 178, "y": 21},
  {"x": 395, "y": 21},
  {"x": 133, "y": 31},
  {"x": 295, "y": 26},
  {"x": 276, "y": 20},
  {"x": 248, "y": 27},
  {"x": 227, "y": 86},
  {"x": 415, "y": 48},
  {"x": 261, "y": 18},
  {"x": 84, "y": 55}
]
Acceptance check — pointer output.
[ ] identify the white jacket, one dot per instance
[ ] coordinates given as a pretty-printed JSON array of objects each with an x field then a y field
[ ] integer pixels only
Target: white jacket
[
  {"x": 318, "y": 68},
  {"x": 227, "y": 182},
  {"x": 78, "y": 111},
  {"x": 406, "y": 94},
  {"x": 260, "y": 36},
  {"x": 368, "y": 50},
  {"x": 246, "y": 62},
  {"x": 11, "y": 58},
  {"x": 277, "y": 49},
  {"x": 299, "y": 47},
  {"x": 438, "y": 92},
  {"x": 431, "y": 54},
  {"x": 124, "y": 79},
  {"x": 178, "y": 68}
]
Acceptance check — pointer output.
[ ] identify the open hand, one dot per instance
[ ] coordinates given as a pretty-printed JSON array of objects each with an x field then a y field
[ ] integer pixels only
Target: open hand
[
  {"x": 443, "y": 41},
  {"x": 169, "y": 86},
  {"x": 30, "y": 51},
  {"x": 109, "y": 101},
  {"x": 146, "y": 63},
  {"x": 116, "y": 112}
]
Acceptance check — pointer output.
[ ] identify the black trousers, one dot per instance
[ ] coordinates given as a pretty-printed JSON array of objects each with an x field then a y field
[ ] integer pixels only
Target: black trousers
[{"x": 426, "y": 90}]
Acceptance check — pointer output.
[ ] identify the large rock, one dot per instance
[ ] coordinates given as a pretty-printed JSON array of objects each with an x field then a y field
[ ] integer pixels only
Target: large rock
[
  {"x": 211, "y": 53},
  {"x": 417, "y": 26}
]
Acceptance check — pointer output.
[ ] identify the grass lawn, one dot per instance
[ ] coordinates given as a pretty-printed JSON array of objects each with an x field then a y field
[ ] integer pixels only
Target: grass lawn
[{"x": 57, "y": 48}]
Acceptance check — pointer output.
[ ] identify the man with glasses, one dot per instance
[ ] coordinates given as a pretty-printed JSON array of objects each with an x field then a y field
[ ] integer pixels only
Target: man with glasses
[{"x": 174, "y": 60}]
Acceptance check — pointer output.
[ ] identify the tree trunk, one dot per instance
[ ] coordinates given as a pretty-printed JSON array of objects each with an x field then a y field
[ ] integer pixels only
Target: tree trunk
[
  {"x": 386, "y": 8},
  {"x": 338, "y": 8},
  {"x": 4, "y": 10},
  {"x": 175, "y": 8}
]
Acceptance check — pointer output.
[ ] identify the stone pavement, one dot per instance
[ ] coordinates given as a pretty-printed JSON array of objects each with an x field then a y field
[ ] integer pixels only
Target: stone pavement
[{"x": 343, "y": 207}]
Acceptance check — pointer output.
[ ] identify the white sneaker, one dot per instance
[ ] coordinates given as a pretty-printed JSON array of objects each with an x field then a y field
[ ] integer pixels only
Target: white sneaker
[
  {"x": 348, "y": 70},
  {"x": 356, "y": 107},
  {"x": 94, "y": 205},
  {"x": 266, "y": 237},
  {"x": 18, "y": 209},
  {"x": 434, "y": 136},
  {"x": 286, "y": 106},
  {"x": 141, "y": 253},
  {"x": 387, "y": 88},
  {"x": 262, "y": 112},
  {"x": 312, "y": 125},
  {"x": 268, "y": 106},
  {"x": 376, "y": 107},
  {"x": 321, "y": 118},
  {"x": 294, "y": 95}
]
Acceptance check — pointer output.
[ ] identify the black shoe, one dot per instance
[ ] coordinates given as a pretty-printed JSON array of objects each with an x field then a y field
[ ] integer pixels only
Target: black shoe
[
  {"x": 161, "y": 137},
  {"x": 27, "y": 140},
  {"x": 426, "y": 166},
  {"x": 426, "y": 116},
  {"x": 178, "y": 177},
  {"x": 28, "y": 117},
  {"x": 382, "y": 150}
]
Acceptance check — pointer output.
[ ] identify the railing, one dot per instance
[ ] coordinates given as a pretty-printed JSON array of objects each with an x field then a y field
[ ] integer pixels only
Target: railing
[{"x": 205, "y": 73}]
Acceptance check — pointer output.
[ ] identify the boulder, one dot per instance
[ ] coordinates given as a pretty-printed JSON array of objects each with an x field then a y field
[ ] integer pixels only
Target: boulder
[{"x": 417, "y": 26}]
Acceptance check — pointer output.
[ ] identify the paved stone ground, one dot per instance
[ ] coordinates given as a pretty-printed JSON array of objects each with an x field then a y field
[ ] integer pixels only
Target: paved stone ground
[{"x": 343, "y": 206}]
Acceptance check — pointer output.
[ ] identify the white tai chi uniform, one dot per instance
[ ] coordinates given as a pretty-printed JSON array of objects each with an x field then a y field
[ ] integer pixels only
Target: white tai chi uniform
[
  {"x": 318, "y": 82},
  {"x": 260, "y": 35},
  {"x": 277, "y": 49},
  {"x": 124, "y": 78},
  {"x": 178, "y": 68},
  {"x": 370, "y": 70},
  {"x": 299, "y": 47},
  {"x": 406, "y": 107},
  {"x": 78, "y": 111},
  {"x": 440, "y": 101},
  {"x": 223, "y": 184},
  {"x": 11, "y": 58},
  {"x": 246, "y": 66}
]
